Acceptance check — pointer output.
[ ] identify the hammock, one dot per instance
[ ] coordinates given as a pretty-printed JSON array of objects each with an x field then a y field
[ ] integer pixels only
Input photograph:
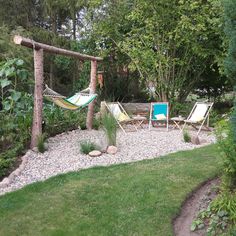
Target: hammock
[{"x": 77, "y": 101}]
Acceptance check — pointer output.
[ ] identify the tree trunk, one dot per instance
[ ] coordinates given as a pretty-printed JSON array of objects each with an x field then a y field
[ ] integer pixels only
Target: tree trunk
[
  {"x": 92, "y": 85},
  {"x": 38, "y": 97},
  {"x": 51, "y": 73}
]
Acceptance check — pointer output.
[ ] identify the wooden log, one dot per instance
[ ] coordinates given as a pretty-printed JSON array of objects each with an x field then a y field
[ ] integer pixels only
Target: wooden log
[
  {"x": 92, "y": 86},
  {"x": 51, "y": 49},
  {"x": 137, "y": 108},
  {"x": 38, "y": 97}
]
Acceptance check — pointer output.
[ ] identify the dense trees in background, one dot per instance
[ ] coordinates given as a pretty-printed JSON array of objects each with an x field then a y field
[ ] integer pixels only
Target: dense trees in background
[
  {"x": 175, "y": 46},
  {"x": 169, "y": 47}
]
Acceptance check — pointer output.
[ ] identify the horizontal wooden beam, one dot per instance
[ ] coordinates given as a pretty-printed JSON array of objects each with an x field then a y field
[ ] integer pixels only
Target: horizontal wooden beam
[{"x": 51, "y": 49}]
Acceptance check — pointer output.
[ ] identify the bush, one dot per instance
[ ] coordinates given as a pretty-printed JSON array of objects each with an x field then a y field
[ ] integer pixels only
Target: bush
[
  {"x": 8, "y": 158},
  {"x": 87, "y": 146},
  {"x": 110, "y": 127},
  {"x": 226, "y": 201},
  {"x": 225, "y": 138},
  {"x": 186, "y": 136}
]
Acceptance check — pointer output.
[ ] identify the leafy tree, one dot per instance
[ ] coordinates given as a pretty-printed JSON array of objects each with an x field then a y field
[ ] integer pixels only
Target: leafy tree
[{"x": 172, "y": 42}]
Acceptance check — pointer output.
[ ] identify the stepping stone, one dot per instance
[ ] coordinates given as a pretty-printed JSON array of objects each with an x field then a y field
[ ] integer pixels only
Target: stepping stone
[
  {"x": 95, "y": 153},
  {"x": 112, "y": 150}
]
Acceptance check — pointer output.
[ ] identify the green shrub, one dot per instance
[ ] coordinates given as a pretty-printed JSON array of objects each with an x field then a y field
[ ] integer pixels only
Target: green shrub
[
  {"x": 8, "y": 158},
  {"x": 186, "y": 136},
  {"x": 41, "y": 143},
  {"x": 226, "y": 201},
  {"x": 110, "y": 128},
  {"x": 87, "y": 146},
  {"x": 225, "y": 138}
]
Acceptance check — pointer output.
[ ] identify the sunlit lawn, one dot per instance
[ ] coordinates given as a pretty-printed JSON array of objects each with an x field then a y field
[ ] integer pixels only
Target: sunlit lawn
[{"x": 129, "y": 199}]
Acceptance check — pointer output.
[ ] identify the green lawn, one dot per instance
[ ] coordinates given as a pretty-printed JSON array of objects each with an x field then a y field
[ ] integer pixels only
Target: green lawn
[{"x": 129, "y": 199}]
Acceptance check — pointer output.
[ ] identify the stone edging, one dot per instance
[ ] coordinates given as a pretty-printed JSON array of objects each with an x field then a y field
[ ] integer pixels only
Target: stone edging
[{"x": 7, "y": 180}]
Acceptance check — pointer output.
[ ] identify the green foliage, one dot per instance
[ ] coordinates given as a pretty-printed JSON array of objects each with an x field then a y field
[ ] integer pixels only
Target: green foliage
[
  {"x": 225, "y": 138},
  {"x": 8, "y": 157},
  {"x": 87, "y": 146},
  {"x": 186, "y": 136},
  {"x": 12, "y": 77},
  {"x": 41, "y": 143},
  {"x": 110, "y": 127},
  {"x": 225, "y": 202},
  {"x": 166, "y": 47},
  {"x": 219, "y": 215},
  {"x": 230, "y": 30}
]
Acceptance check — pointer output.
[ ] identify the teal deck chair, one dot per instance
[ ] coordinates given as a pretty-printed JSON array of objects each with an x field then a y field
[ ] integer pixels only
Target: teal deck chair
[{"x": 159, "y": 113}]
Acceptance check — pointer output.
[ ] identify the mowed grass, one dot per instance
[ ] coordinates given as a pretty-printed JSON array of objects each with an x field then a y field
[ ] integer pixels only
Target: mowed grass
[{"x": 130, "y": 199}]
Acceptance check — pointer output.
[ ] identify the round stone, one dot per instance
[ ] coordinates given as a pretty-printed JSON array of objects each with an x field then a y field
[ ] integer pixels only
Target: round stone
[
  {"x": 95, "y": 153},
  {"x": 112, "y": 150}
]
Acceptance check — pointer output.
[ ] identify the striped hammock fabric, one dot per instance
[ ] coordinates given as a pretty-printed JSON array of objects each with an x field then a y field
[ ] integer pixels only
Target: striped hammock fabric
[{"x": 77, "y": 101}]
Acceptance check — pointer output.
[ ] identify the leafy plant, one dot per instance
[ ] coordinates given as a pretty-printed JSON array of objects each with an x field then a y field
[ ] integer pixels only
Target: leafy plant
[
  {"x": 110, "y": 128},
  {"x": 225, "y": 138},
  {"x": 87, "y": 146},
  {"x": 186, "y": 136},
  {"x": 219, "y": 215},
  {"x": 41, "y": 143}
]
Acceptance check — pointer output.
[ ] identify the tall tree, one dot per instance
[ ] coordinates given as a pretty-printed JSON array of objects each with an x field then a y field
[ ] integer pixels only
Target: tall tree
[{"x": 169, "y": 43}]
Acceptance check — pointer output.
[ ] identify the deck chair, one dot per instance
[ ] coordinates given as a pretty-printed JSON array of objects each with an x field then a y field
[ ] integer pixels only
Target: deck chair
[
  {"x": 120, "y": 115},
  {"x": 199, "y": 115},
  {"x": 159, "y": 113}
]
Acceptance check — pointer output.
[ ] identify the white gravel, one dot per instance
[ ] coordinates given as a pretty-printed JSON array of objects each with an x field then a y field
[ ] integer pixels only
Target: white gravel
[{"x": 64, "y": 155}]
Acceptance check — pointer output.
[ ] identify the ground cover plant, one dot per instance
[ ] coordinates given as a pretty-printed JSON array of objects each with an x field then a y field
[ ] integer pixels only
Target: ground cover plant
[{"x": 130, "y": 199}]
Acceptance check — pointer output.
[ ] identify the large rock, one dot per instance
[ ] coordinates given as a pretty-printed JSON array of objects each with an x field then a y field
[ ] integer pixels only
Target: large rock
[
  {"x": 112, "y": 150},
  {"x": 95, "y": 153},
  {"x": 195, "y": 140}
]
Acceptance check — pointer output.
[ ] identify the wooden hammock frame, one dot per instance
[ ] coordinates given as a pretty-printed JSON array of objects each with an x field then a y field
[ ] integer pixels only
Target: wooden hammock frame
[{"x": 39, "y": 49}]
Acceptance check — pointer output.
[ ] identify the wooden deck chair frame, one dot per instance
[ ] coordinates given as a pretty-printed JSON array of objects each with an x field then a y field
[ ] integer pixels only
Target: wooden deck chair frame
[
  {"x": 130, "y": 120},
  {"x": 205, "y": 118},
  {"x": 151, "y": 120}
]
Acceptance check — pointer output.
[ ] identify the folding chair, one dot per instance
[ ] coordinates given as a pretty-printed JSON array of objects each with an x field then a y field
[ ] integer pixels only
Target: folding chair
[
  {"x": 159, "y": 112},
  {"x": 199, "y": 115},
  {"x": 121, "y": 116}
]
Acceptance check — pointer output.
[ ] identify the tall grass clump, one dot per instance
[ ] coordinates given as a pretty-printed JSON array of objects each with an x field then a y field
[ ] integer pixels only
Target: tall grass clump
[
  {"x": 186, "y": 136},
  {"x": 41, "y": 143},
  {"x": 110, "y": 128},
  {"x": 87, "y": 146}
]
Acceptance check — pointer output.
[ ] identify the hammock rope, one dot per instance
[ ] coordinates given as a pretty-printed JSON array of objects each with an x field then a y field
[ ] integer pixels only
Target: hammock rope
[{"x": 77, "y": 101}]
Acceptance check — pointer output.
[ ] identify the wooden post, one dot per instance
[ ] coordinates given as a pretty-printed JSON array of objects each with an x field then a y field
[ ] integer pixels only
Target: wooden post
[
  {"x": 92, "y": 86},
  {"x": 38, "y": 97}
]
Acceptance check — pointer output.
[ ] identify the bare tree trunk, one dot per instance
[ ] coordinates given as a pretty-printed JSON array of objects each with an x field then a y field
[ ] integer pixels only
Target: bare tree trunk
[
  {"x": 92, "y": 85},
  {"x": 51, "y": 75},
  {"x": 38, "y": 97}
]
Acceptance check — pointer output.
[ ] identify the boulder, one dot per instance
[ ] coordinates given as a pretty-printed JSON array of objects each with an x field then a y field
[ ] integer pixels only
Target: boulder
[
  {"x": 95, "y": 153},
  {"x": 195, "y": 140},
  {"x": 112, "y": 150}
]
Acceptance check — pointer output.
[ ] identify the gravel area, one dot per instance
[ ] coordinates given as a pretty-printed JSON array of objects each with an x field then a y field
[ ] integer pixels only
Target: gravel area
[{"x": 63, "y": 154}]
